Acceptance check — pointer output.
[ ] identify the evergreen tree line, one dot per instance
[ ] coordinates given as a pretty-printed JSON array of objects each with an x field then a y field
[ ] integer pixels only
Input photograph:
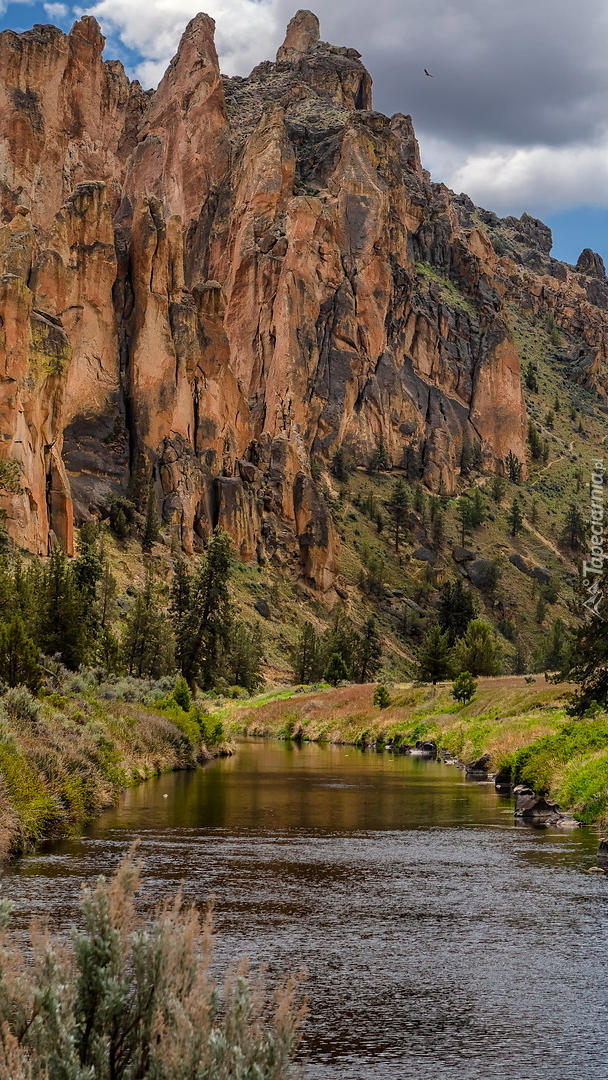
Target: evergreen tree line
[
  {"x": 339, "y": 653},
  {"x": 67, "y": 609}
]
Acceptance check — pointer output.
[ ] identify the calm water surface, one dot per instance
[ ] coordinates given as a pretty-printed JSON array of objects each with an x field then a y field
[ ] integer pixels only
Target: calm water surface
[{"x": 440, "y": 940}]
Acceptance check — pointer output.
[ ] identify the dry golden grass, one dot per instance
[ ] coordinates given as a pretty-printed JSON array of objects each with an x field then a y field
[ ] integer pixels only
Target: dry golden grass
[{"x": 506, "y": 713}]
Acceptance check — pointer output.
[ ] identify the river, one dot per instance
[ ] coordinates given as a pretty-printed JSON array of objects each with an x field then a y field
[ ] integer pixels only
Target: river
[{"x": 441, "y": 940}]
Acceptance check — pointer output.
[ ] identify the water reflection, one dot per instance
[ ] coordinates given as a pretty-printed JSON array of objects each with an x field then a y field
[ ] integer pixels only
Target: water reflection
[{"x": 440, "y": 940}]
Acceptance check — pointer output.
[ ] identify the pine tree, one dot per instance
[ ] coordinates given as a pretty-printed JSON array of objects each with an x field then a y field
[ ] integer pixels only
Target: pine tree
[
  {"x": 379, "y": 460},
  {"x": 515, "y": 518},
  {"x": 464, "y": 512},
  {"x": 477, "y": 456},
  {"x": 575, "y": 529},
  {"x": 531, "y": 378},
  {"x": 67, "y": 618},
  {"x": 466, "y": 457},
  {"x": 456, "y": 609},
  {"x": 541, "y": 610},
  {"x": 336, "y": 670},
  {"x": 478, "y": 652},
  {"x": 152, "y": 523},
  {"x": 521, "y": 661},
  {"x": 306, "y": 656},
  {"x": 343, "y": 639},
  {"x": 438, "y": 531},
  {"x": 534, "y": 441},
  {"x": 148, "y": 647},
  {"x": 398, "y": 507},
  {"x": 478, "y": 510},
  {"x": 434, "y": 660},
  {"x": 586, "y": 660},
  {"x": 464, "y": 687},
  {"x": 368, "y": 655},
  {"x": 514, "y": 468},
  {"x": 18, "y": 656},
  {"x": 411, "y": 462},
  {"x": 498, "y": 488},
  {"x": 202, "y": 612},
  {"x": 244, "y": 657},
  {"x": 339, "y": 465}
]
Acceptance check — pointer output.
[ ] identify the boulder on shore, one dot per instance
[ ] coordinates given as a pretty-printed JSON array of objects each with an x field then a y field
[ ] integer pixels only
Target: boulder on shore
[
  {"x": 530, "y": 806},
  {"x": 478, "y": 769}
]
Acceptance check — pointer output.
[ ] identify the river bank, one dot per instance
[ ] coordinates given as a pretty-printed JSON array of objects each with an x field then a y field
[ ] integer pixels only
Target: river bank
[
  {"x": 434, "y": 928},
  {"x": 64, "y": 758},
  {"x": 520, "y": 723}
]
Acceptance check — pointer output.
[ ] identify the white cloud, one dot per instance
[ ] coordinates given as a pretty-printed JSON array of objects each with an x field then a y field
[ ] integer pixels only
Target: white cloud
[
  {"x": 516, "y": 113},
  {"x": 539, "y": 179},
  {"x": 4, "y": 4},
  {"x": 60, "y": 12},
  {"x": 245, "y": 30}
]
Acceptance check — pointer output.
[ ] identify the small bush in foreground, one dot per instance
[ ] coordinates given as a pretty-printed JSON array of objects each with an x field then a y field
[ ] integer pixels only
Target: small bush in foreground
[
  {"x": 464, "y": 687},
  {"x": 134, "y": 1000},
  {"x": 382, "y": 698}
]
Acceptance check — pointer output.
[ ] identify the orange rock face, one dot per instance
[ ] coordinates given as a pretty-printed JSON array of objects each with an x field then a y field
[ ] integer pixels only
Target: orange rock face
[{"x": 205, "y": 285}]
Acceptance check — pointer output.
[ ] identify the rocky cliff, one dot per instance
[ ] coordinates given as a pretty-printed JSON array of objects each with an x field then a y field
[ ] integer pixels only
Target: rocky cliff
[{"x": 205, "y": 286}]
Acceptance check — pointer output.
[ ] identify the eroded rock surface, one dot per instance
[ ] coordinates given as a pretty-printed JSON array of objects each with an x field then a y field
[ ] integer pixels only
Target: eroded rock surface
[{"x": 207, "y": 284}]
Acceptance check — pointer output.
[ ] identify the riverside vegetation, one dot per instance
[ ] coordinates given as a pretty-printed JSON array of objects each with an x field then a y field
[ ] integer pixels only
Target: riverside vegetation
[
  {"x": 523, "y": 724},
  {"x": 132, "y": 998}
]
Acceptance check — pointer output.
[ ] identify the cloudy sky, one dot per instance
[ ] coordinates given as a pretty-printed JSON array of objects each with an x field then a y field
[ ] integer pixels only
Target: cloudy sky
[{"x": 516, "y": 114}]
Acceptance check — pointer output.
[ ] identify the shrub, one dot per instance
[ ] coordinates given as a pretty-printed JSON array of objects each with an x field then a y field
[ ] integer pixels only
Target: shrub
[
  {"x": 464, "y": 687},
  {"x": 21, "y": 706},
  {"x": 382, "y": 698},
  {"x": 181, "y": 694},
  {"x": 134, "y": 998}
]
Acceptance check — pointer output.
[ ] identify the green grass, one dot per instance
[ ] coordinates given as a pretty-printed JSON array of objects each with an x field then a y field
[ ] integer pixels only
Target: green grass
[
  {"x": 72, "y": 758},
  {"x": 519, "y": 725},
  {"x": 450, "y": 293},
  {"x": 572, "y": 764}
]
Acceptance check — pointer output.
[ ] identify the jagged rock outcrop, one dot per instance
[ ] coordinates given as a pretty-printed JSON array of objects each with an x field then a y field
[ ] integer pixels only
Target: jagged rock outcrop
[{"x": 207, "y": 284}]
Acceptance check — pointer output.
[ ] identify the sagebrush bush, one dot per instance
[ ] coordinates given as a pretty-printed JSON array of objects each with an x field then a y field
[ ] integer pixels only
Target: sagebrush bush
[
  {"x": 21, "y": 705},
  {"x": 133, "y": 999}
]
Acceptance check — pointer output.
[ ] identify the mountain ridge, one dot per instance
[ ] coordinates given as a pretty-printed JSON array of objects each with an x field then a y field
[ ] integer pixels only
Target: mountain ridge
[{"x": 207, "y": 287}]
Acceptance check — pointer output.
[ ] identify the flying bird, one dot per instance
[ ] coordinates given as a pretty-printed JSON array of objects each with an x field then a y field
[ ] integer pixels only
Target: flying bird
[{"x": 429, "y": 74}]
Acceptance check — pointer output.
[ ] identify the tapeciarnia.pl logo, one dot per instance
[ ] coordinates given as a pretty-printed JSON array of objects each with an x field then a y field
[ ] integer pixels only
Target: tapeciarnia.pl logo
[{"x": 593, "y": 570}]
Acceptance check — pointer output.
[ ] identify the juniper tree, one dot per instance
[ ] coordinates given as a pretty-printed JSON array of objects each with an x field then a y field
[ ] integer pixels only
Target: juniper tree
[
  {"x": 464, "y": 687},
  {"x": 152, "y": 522}
]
